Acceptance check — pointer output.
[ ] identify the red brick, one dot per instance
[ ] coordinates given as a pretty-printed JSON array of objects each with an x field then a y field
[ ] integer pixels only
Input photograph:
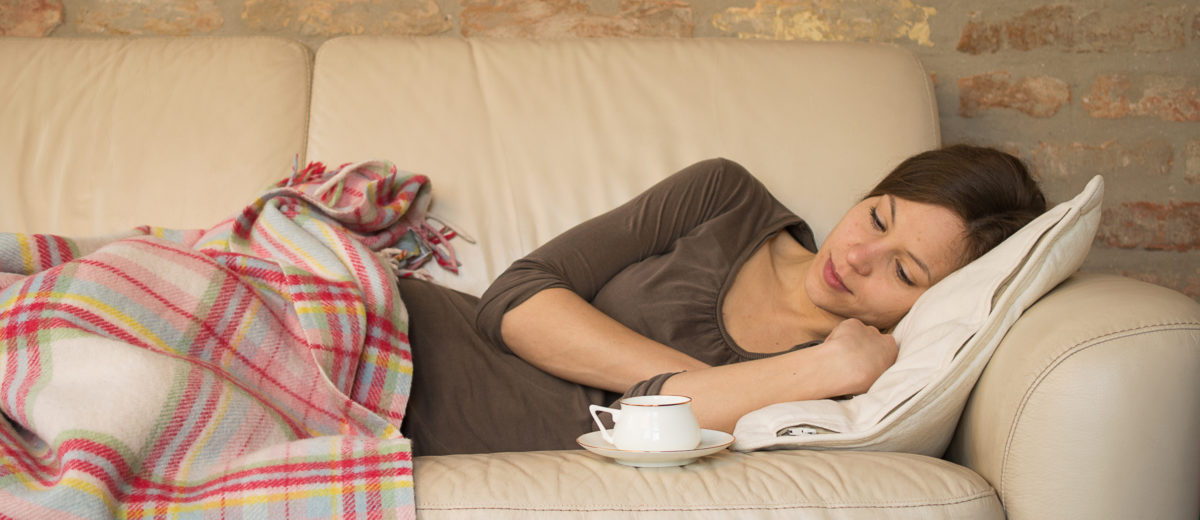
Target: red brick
[
  {"x": 29, "y": 18},
  {"x": 1170, "y": 98},
  {"x": 1151, "y": 157},
  {"x": 1145, "y": 29},
  {"x": 1044, "y": 26},
  {"x": 1072, "y": 28},
  {"x": 329, "y": 18},
  {"x": 1037, "y": 96},
  {"x": 574, "y": 18},
  {"x": 1107, "y": 98},
  {"x": 161, "y": 18},
  {"x": 828, "y": 20},
  {"x": 1174, "y": 226},
  {"x": 979, "y": 37}
]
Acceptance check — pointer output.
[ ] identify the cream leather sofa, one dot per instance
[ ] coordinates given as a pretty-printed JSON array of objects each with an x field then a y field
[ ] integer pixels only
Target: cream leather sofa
[{"x": 1089, "y": 409}]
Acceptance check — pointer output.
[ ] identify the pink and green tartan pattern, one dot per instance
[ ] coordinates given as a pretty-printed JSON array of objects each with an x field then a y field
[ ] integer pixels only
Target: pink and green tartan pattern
[{"x": 257, "y": 369}]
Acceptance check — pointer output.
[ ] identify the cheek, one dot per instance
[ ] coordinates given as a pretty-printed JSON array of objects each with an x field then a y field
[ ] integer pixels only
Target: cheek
[
  {"x": 848, "y": 233},
  {"x": 906, "y": 303},
  {"x": 893, "y": 303}
]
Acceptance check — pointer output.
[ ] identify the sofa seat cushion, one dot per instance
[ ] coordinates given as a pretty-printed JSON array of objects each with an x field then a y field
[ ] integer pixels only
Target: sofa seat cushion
[{"x": 784, "y": 484}]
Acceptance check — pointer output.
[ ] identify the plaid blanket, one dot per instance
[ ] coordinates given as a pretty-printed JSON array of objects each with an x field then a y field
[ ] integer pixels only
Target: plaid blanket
[{"x": 258, "y": 369}]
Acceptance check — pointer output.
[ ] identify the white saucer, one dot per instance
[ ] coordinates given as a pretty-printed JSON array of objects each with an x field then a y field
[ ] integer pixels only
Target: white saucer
[{"x": 711, "y": 441}]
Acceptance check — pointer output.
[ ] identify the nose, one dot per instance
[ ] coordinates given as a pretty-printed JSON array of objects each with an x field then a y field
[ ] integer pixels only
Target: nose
[{"x": 861, "y": 256}]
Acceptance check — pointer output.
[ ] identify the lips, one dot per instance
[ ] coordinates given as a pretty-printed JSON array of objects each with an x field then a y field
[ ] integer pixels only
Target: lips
[{"x": 831, "y": 277}]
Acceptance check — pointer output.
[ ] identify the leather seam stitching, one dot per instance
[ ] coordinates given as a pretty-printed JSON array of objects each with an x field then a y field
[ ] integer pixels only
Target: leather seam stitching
[
  {"x": 1079, "y": 346},
  {"x": 979, "y": 496}
]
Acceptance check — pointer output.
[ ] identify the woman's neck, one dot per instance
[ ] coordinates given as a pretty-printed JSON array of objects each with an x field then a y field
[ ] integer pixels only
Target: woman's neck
[{"x": 790, "y": 263}]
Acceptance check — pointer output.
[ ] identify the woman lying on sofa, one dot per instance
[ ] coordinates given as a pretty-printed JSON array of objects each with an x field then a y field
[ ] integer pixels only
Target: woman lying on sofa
[{"x": 706, "y": 286}]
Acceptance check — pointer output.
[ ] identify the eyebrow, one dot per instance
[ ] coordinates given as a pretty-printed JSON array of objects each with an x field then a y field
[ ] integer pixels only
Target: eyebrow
[{"x": 928, "y": 275}]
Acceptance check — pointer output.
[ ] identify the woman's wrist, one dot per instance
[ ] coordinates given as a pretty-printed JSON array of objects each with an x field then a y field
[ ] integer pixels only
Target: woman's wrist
[
  {"x": 833, "y": 372},
  {"x": 847, "y": 370}
]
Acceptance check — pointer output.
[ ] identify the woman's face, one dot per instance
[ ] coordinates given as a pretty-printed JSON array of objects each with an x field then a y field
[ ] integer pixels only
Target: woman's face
[{"x": 883, "y": 254}]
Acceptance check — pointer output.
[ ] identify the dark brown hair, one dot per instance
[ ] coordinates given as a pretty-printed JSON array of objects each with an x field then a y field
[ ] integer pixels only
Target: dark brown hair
[{"x": 990, "y": 190}]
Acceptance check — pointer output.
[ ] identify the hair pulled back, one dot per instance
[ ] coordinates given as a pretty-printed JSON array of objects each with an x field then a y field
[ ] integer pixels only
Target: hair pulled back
[{"x": 990, "y": 190}]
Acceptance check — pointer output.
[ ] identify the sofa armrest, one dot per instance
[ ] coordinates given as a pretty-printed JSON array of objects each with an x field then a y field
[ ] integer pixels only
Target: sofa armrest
[{"x": 1090, "y": 407}]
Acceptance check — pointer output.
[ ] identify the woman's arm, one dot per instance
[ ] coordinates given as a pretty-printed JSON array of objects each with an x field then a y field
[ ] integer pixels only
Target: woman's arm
[
  {"x": 560, "y": 333},
  {"x": 848, "y": 362},
  {"x": 540, "y": 309}
]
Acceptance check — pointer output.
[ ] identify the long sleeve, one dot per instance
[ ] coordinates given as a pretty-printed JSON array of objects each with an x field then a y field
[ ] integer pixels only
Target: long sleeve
[{"x": 584, "y": 258}]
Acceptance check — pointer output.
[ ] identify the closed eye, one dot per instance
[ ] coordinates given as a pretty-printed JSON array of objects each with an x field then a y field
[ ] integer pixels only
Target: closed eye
[
  {"x": 904, "y": 275},
  {"x": 900, "y": 272},
  {"x": 878, "y": 224}
]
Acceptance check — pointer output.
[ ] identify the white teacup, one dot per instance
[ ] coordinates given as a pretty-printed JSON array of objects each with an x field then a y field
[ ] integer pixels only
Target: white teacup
[{"x": 651, "y": 423}]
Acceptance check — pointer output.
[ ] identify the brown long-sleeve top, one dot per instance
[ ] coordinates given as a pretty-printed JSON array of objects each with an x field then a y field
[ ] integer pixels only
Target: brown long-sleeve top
[{"x": 660, "y": 264}]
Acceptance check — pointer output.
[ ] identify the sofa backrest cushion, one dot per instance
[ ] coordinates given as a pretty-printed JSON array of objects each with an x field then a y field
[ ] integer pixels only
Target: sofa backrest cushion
[
  {"x": 102, "y": 135},
  {"x": 523, "y": 139}
]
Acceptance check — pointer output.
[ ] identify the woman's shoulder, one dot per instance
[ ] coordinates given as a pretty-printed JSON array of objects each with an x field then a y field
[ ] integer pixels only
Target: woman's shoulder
[
  {"x": 717, "y": 179},
  {"x": 718, "y": 169}
]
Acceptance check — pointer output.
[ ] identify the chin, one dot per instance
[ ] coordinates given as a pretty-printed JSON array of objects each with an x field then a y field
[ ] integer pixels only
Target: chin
[
  {"x": 823, "y": 297},
  {"x": 884, "y": 324}
]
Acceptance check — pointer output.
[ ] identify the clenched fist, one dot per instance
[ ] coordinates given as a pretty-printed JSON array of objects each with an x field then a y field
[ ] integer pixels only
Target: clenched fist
[{"x": 862, "y": 353}]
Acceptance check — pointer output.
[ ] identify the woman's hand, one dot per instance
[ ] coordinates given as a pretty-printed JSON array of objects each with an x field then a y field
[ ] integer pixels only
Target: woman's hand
[
  {"x": 848, "y": 362},
  {"x": 560, "y": 333},
  {"x": 861, "y": 352}
]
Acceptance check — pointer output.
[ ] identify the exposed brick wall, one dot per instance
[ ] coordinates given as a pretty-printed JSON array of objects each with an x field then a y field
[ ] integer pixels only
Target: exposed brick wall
[
  {"x": 1073, "y": 88},
  {"x": 326, "y": 19},
  {"x": 573, "y": 18},
  {"x": 1035, "y": 96},
  {"x": 30, "y": 18},
  {"x": 1077, "y": 28},
  {"x": 844, "y": 20}
]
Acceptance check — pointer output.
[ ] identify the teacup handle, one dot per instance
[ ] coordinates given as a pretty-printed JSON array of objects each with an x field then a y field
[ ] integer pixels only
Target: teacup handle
[{"x": 594, "y": 409}]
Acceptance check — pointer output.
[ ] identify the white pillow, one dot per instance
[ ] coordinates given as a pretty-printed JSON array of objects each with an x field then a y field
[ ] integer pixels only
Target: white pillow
[{"x": 945, "y": 341}]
